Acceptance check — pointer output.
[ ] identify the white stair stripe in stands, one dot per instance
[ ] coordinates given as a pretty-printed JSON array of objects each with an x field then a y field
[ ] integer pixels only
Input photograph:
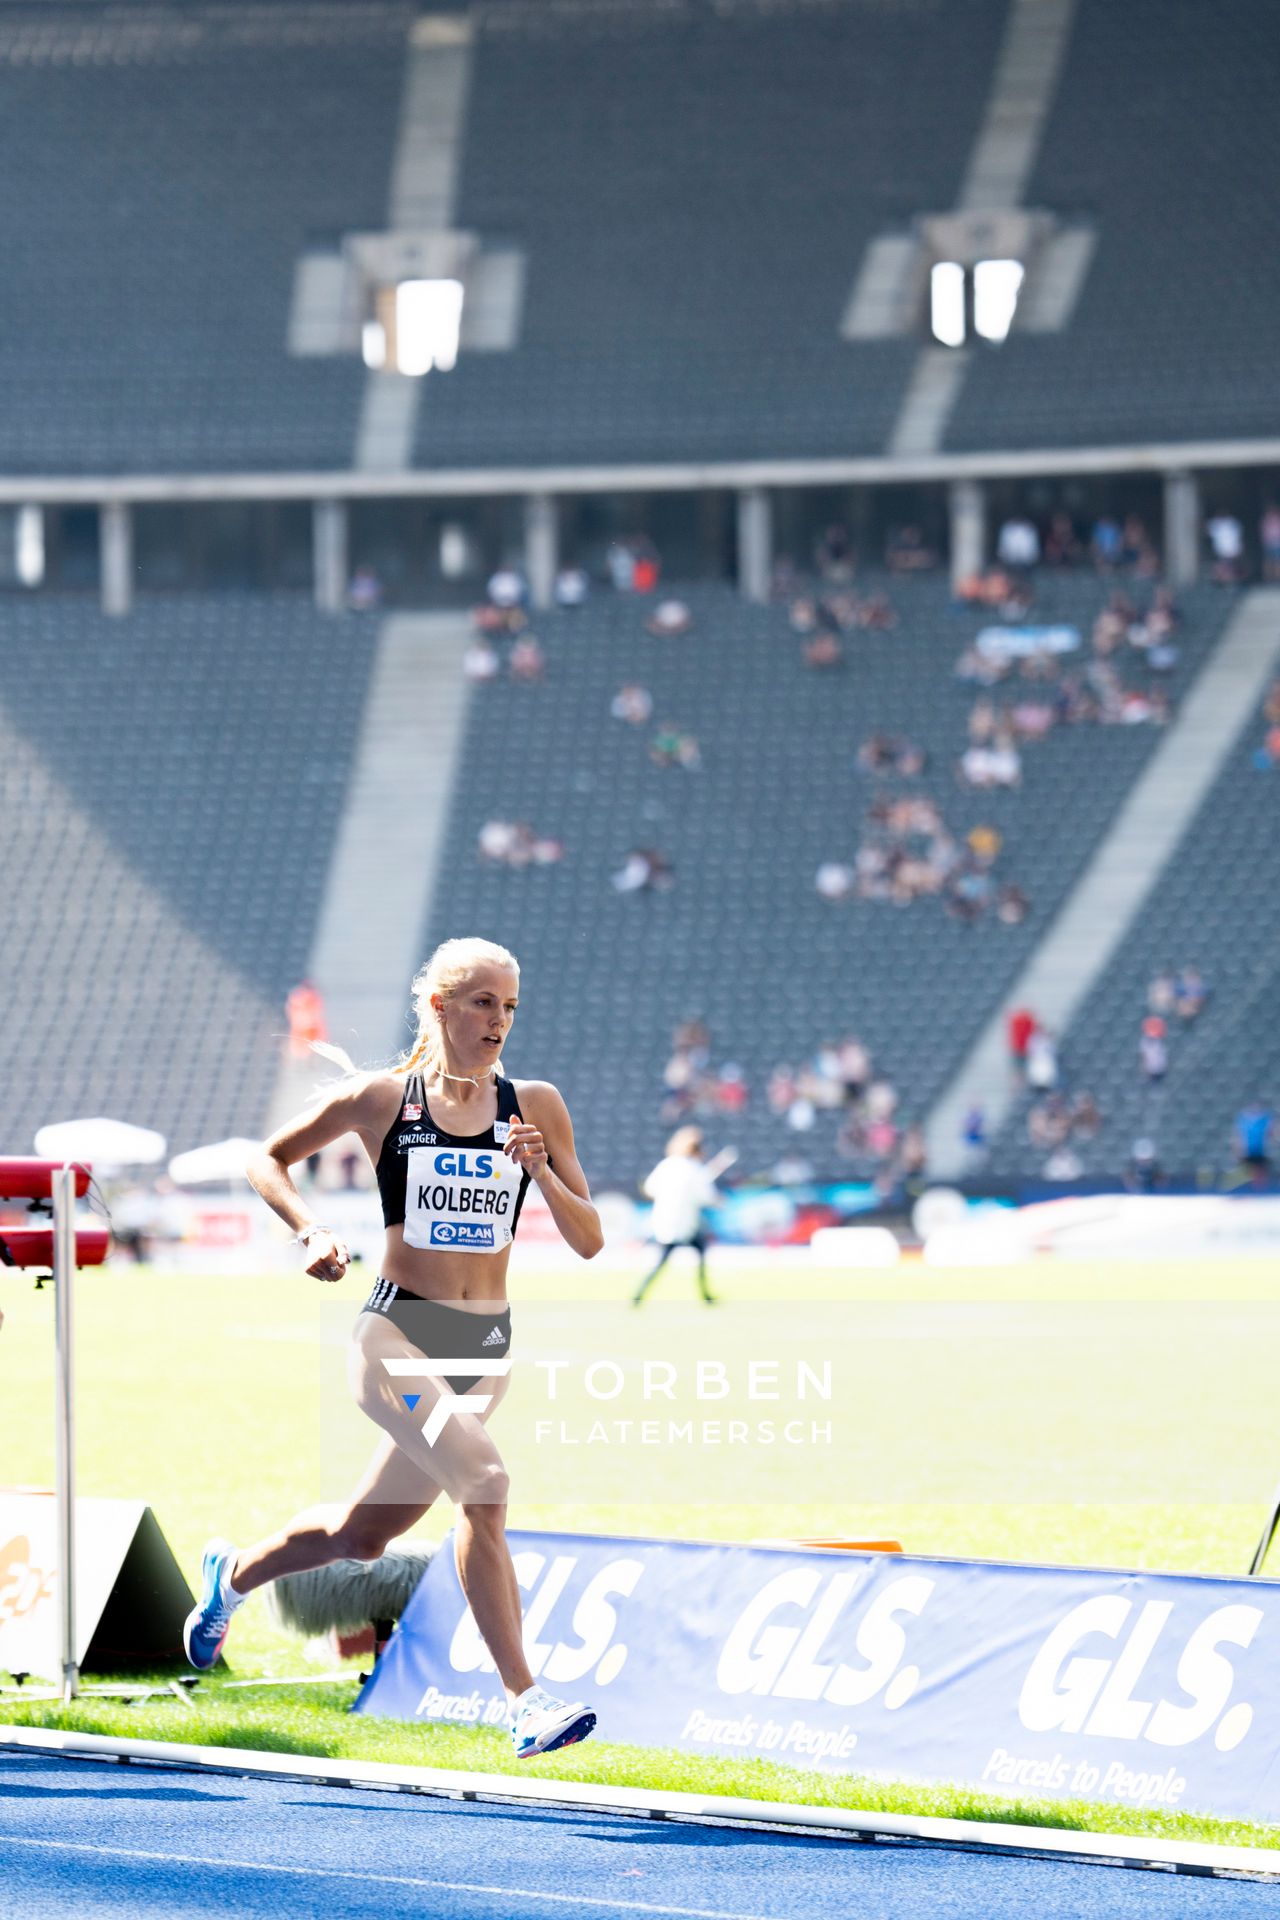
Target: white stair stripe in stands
[
  {"x": 423, "y": 191},
  {"x": 1004, "y": 153},
  {"x": 1118, "y": 880},
  {"x": 389, "y": 845},
  {"x": 1026, "y": 75}
]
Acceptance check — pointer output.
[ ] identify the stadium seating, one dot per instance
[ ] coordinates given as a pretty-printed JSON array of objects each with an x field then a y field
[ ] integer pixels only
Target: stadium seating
[
  {"x": 695, "y": 189},
  {"x": 167, "y": 166},
  {"x": 1163, "y": 134},
  {"x": 1216, "y": 907},
  {"x": 171, "y": 788},
  {"x": 742, "y": 937}
]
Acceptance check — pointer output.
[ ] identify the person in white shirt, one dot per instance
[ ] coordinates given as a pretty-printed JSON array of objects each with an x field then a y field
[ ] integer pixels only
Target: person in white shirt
[
  {"x": 1019, "y": 543},
  {"x": 680, "y": 1187}
]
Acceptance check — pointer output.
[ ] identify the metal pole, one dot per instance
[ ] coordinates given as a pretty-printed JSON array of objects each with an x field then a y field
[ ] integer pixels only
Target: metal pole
[{"x": 64, "y": 1266}]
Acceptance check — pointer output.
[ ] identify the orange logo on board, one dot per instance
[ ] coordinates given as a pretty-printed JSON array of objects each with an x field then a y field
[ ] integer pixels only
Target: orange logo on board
[{"x": 22, "y": 1586}]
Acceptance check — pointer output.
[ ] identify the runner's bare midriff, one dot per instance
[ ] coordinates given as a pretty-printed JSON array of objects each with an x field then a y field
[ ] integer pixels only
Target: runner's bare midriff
[{"x": 474, "y": 1281}]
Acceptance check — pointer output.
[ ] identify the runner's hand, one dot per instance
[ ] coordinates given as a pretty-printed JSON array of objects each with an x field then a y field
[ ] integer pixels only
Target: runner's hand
[
  {"x": 329, "y": 1257},
  {"x": 527, "y": 1148}
]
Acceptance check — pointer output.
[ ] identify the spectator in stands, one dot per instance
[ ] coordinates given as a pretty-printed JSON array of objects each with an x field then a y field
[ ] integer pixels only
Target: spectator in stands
[
  {"x": 1269, "y": 540},
  {"x": 365, "y": 590},
  {"x": 1042, "y": 1061},
  {"x": 1061, "y": 542},
  {"x": 621, "y": 562},
  {"x": 571, "y": 587},
  {"x": 1020, "y": 1024},
  {"x": 480, "y": 662},
  {"x": 672, "y": 748},
  {"x": 973, "y": 1129},
  {"x": 502, "y": 621},
  {"x": 1086, "y": 1119},
  {"x": 305, "y": 1010},
  {"x": 1253, "y": 1131},
  {"x": 873, "y": 613},
  {"x": 1191, "y": 990},
  {"x": 984, "y": 843},
  {"x": 853, "y": 1066},
  {"x": 822, "y": 651},
  {"x": 1161, "y": 993},
  {"x": 508, "y": 587},
  {"x": 834, "y": 881},
  {"x": 1106, "y": 543},
  {"x": 1012, "y": 905},
  {"x": 834, "y": 555},
  {"x": 890, "y": 753},
  {"x": 999, "y": 765},
  {"x": 1049, "y": 1122},
  {"x": 669, "y": 619},
  {"x": 645, "y": 868},
  {"x": 1064, "y": 1163},
  {"x": 528, "y": 662},
  {"x": 1226, "y": 543},
  {"x": 513, "y": 843},
  {"x": 906, "y": 551},
  {"x": 646, "y": 567},
  {"x": 1138, "y": 553},
  {"x": 1143, "y": 1173},
  {"x": 731, "y": 1091},
  {"x": 1153, "y": 1049},
  {"x": 1018, "y": 543},
  {"x": 632, "y": 703},
  {"x": 970, "y": 891}
]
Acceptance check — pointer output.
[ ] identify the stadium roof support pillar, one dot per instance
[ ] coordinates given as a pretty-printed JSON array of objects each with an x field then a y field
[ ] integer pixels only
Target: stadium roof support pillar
[
  {"x": 1181, "y": 528},
  {"x": 115, "y": 557},
  {"x": 967, "y": 505},
  {"x": 755, "y": 543},
  {"x": 541, "y": 546},
  {"x": 330, "y": 536}
]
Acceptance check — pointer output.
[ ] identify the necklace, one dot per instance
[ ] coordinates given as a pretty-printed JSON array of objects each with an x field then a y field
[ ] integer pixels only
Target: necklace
[{"x": 467, "y": 1079}]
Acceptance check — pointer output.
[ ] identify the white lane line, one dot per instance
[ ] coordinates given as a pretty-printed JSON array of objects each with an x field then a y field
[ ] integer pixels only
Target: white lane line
[{"x": 378, "y": 1879}]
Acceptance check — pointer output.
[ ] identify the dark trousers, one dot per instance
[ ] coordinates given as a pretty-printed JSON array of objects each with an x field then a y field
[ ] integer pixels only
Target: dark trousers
[{"x": 665, "y": 1251}]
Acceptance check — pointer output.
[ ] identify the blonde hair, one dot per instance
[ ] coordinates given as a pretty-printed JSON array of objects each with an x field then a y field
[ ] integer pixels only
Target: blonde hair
[
  {"x": 450, "y": 967},
  {"x": 685, "y": 1142}
]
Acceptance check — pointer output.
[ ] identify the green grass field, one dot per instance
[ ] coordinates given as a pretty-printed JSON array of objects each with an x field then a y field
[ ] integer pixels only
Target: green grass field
[{"x": 1112, "y": 1415}]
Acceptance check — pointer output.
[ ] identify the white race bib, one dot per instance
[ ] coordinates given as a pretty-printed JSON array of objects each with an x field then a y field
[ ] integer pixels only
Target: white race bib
[{"x": 460, "y": 1199}]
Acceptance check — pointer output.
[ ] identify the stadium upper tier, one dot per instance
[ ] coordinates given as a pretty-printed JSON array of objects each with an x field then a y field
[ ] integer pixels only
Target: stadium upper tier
[
  {"x": 170, "y": 786},
  {"x": 166, "y": 168},
  {"x": 1162, "y": 136},
  {"x": 742, "y": 936},
  {"x": 695, "y": 190}
]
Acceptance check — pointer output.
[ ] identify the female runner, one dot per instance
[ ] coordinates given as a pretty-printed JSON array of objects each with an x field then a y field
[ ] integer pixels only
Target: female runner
[{"x": 454, "y": 1148}]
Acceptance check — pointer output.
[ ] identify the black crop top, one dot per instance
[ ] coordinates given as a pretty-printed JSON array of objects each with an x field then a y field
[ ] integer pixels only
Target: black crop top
[{"x": 454, "y": 1192}]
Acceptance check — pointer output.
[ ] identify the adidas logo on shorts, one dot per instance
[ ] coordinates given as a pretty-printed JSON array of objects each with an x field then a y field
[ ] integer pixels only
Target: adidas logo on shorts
[{"x": 493, "y": 1339}]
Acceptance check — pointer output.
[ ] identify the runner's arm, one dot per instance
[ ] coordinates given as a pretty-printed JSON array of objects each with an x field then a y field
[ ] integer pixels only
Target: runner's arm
[
  {"x": 346, "y": 1110},
  {"x": 546, "y": 1134}
]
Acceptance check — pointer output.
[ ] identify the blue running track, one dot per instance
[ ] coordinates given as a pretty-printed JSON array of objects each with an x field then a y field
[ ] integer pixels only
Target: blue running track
[{"x": 82, "y": 1837}]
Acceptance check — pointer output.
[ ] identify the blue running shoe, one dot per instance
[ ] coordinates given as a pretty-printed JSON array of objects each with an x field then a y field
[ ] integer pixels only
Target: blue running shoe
[
  {"x": 543, "y": 1723},
  {"x": 206, "y": 1625}
]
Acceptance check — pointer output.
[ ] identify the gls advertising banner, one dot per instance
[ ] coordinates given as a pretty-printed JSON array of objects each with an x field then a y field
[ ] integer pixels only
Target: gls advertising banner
[{"x": 1146, "y": 1689}]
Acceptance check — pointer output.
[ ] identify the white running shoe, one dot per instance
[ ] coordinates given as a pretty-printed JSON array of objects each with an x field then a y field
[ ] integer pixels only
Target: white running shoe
[{"x": 543, "y": 1723}]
